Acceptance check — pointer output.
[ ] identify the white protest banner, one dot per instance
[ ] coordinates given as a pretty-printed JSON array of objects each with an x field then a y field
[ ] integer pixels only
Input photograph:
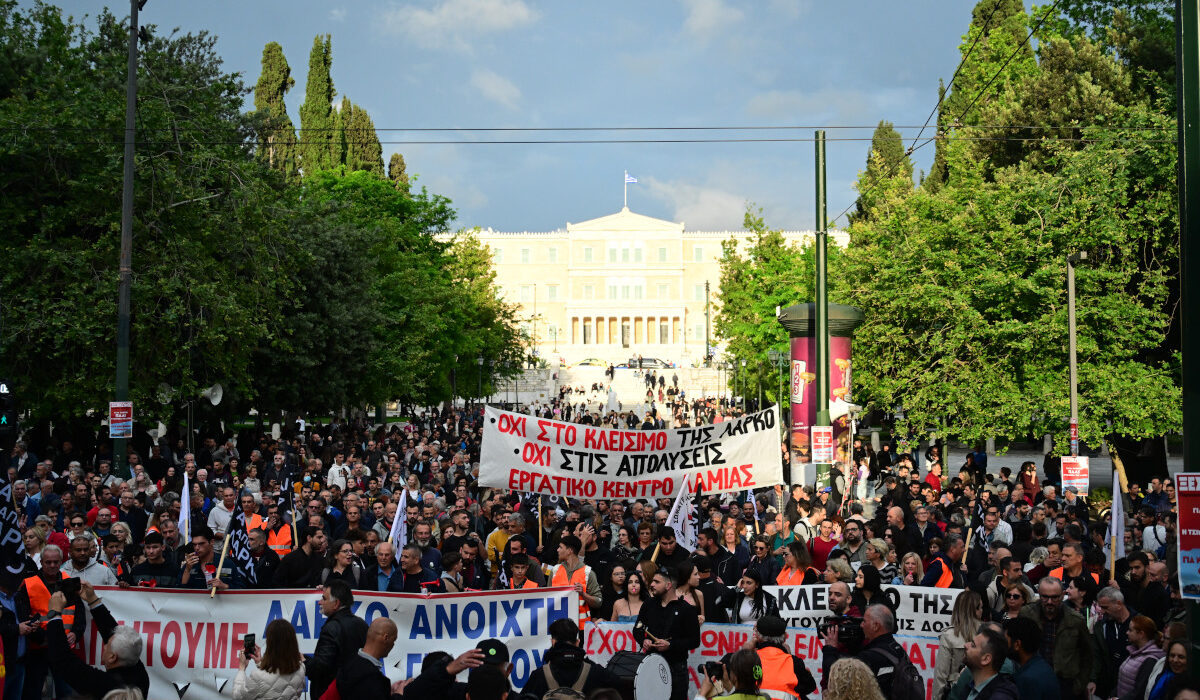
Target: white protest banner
[
  {"x": 539, "y": 455},
  {"x": 1076, "y": 472},
  {"x": 920, "y": 611},
  {"x": 604, "y": 639},
  {"x": 192, "y": 642}
]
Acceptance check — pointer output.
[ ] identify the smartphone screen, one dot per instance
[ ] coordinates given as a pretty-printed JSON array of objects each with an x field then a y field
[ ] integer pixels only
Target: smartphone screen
[{"x": 248, "y": 645}]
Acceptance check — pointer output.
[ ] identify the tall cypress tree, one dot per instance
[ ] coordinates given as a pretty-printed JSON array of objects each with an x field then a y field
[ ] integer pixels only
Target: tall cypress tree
[
  {"x": 937, "y": 172},
  {"x": 886, "y": 159},
  {"x": 398, "y": 171},
  {"x": 320, "y": 148},
  {"x": 277, "y": 140}
]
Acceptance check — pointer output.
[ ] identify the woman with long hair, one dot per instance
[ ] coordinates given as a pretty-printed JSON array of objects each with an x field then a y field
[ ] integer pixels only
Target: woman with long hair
[
  {"x": 626, "y": 546},
  {"x": 280, "y": 669},
  {"x": 1029, "y": 478},
  {"x": 35, "y": 540},
  {"x": 965, "y": 620},
  {"x": 733, "y": 544},
  {"x": 797, "y": 567},
  {"x": 250, "y": 482},
  {"x": 612, "y": 589},
  {"x": 1175, "y": 663},
  {"x": 687, "y": 578},
  {"x": 171, "y": 481},
  {"x": 340, "y": 564},
  {"x": 868, "y": 588},
  {"x": 911, "y": 571},
  {"x": 753, "y": 602},
  {"x": 1144, "y": 651},
  {"x": 627, "y": 607},
  {"x": 851, "y": 679}
]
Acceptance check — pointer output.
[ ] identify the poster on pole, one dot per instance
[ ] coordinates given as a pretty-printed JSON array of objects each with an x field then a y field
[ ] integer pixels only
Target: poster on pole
[
  {"x": 120, "y": 419},
  {"x": 538, "y": 455},
  {"x": 1187, "y": 492},
  {"x": 1075, "y": 472},
  {"x": 192, "y": 643},
  {"x": 822, "y": 444}
]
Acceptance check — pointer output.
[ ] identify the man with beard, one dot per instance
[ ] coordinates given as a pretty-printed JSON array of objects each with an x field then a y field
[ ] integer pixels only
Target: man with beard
[
  {"x": 263, "y": 558},
  {"x": 431, "y": 556},
  {"x": 985, "y": 653},
  {"x": 671, "y": 627},
  {"x": 1141, "y": 592},
  {"x": 852, "y": 542},
  {"x": 474, "y": 574},
  {"x": 1065, "y": 644},
  {"x": 717, "y": 597},
  {"x": 670, "y": 554},
  {"x": 724, "y": 564}
]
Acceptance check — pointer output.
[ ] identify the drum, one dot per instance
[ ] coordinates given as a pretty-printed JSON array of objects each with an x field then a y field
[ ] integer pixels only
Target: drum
[{"x": 641, "y": 676}]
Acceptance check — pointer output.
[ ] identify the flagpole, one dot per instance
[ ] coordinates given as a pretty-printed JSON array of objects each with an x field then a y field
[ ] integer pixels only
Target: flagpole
[{"x": 626, "y": 204}]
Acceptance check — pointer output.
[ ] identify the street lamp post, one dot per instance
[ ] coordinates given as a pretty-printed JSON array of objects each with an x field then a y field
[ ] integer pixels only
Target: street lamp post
[
  {"x": 745, "y": 384},
  {"x": 479, "y": 366},
  {"x": 1072, "y": 260}
]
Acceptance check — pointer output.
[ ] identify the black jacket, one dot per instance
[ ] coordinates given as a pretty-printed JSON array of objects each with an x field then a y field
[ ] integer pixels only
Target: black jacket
[
  {"x": 566, "y": 662},
  {"x": 1001, "y": 687},
  {"x": 359, "y": 679},
  {"x": 341, "y": 637},
  {"x": 87, "y": 680},
  {"x": 878, "y": 656}
]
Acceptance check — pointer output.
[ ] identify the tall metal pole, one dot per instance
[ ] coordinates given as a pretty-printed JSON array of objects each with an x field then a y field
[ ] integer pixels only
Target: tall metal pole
[
  {"x": 1073, "y": 369},
  {"x": 125, "y": 280},
  {"x": 822, "y": 302},
  {"x": 1187, "y": 23},
  {"x": 706, "y": 319}
]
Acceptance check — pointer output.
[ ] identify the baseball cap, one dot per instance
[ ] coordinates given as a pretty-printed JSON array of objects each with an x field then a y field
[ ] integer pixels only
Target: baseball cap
[
  {"x": 494, "y": 651},
  {"x": 771, "y": 626}
]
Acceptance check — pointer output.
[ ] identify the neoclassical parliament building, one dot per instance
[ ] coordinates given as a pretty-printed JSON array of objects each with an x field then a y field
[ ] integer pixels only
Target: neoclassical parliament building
[{"x": 618, "y": 286}]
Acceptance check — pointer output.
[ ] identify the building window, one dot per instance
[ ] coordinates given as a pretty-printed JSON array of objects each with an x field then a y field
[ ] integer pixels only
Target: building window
[
  {"x": 526, "y": 292},
  {"x": 664, "y": 333},
  {"x": 589, "y": 291},
  {"x": 553, "y": 253},
  {"x": 587, "y": 255},
  {"x": 698, "y": 253},
  {"x": 524, "y": 256},
  {"x": 552, "y": 292},
  {"x": 587, "y": 332},
  {"x": 662, "y": 291},
  {"x": 624, "y": 255},
  {"x": 698, "y": 292},
  {"x": 662, "y": 255},
  {"x": 624, "y": 291},
  {"x": 699, "y": 332},
  {"x": 612, "y": 291},
  {"x": 637, "y": 291},
  {"x": 498, "y": 256},
  {"x": 612, "y": 255},
  {"x": 637, "y": 255}
]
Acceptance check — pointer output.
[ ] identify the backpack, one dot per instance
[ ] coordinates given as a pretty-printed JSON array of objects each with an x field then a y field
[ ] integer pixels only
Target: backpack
[
  {"x": 907, "y": 683},
  {"x": 559, "y": 692},
  {"x": 1160, "y": 552}
]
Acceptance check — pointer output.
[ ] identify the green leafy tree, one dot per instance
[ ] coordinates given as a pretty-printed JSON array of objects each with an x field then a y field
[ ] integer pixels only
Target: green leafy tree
[
  {"x": 397, "y": 171},
  {"x": 321, "y": 142},
  {"x": 363, "y": 151},
  {"x": 886, "y": 159},
  {"x": 277, "y": 136}
]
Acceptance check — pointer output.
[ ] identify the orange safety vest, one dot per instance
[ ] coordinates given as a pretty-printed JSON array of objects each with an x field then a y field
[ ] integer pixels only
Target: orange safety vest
[
  {"x": 255, "y": 522},
  {"x": 579, "y": 577},
  {"x": 946, "y": 579},
  {"x": 1060, "y": 571},
  {"x": 790, "y": 577},
  {"x": 528, "y": 584},
  {"x": 280, "y": 541},
  {"x": 39, "y": 600},
  {"x": 779, "y": 675}
]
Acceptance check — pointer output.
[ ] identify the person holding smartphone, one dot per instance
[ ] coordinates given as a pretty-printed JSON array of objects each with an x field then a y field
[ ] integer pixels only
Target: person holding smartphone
[
  {"x": 278, "y": 672},
  {"x": 121, "y": 654}
]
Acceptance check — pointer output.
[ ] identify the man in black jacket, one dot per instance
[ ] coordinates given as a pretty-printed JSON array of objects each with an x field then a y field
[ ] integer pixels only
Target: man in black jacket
[
  {"x": 985, "y": 655},
  {"x": 302, "y": 567},
  {"x": 880, "y": 653},
  {"x": 565, "y": 665},
  {"x": 364, "y": 677},
  {"x": 670, "y": 627},
  {"x": 120, "y": 656},
  {"x": 341, "y": 637}
]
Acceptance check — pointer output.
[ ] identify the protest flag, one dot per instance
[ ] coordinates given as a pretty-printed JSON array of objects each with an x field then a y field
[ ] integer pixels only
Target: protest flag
[
  {"x": 185, "y": 509},
  {"x": 682, "y": 517},
  {"x": 1116, "y": 527},
  {"x": 239, "y": 546},
  {"x": 398, "y": 535}
]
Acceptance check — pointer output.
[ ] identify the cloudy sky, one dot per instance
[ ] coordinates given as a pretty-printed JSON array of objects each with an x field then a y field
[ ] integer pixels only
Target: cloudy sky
[{"x": 617, "y": 63}]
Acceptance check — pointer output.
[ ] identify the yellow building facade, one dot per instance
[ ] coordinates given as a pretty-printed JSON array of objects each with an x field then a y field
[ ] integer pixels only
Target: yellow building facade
[{"x": 616, "y": 287}]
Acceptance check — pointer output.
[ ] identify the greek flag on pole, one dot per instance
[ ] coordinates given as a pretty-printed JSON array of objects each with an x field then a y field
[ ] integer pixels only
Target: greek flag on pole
[
  {"x": 682, "y": 517},
  {"x": 185, "y": 509},
  {"x": 1116, "y": 524},
  {"x": 751, "y": 500},
  {"x": 629, "y": 179},
  {"x": 398, "y": 535}
]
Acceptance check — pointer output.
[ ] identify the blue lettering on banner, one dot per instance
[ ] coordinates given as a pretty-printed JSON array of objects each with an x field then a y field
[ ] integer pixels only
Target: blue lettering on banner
[
  {"x": 473, "y": 630},
  {"x": 553, "y": 613},
  {"x": 374, "y": 610},
  {"x": 511, "y": 627},
  {"x": 523, "y": 666},
  {"x": 495, "y": 618}
]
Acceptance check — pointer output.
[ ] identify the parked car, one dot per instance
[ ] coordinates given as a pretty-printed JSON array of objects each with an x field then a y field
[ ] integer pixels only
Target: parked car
[{"x": 591, "y": 362}]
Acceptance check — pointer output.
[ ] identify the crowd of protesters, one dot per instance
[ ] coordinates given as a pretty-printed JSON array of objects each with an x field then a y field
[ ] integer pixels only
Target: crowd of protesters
[{"x": 320, "y": 503}]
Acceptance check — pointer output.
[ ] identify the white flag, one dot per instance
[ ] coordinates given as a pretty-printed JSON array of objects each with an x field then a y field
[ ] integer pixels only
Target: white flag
[
  {"x": 682, "y": 517},
  {"x": 185, "y": 509},
  {"x": 1116, "y": 524},
  {"x": 399, "y": 533}
]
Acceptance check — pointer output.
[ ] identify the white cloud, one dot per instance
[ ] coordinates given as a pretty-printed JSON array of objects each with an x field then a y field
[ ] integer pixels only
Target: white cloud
[
  {"x": 338, "y": 14},
  {"x": 455, "y": 24},
  {"x": 701, "y": 208},
  {"x": 496, "y": 87},
  {"x": 706, "y": 18}
]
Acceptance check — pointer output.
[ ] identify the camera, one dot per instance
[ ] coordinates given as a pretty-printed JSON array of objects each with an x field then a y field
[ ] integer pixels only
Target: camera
[
  {"x": 711, "y": 669},
  {"x": 849, "y": 631}
]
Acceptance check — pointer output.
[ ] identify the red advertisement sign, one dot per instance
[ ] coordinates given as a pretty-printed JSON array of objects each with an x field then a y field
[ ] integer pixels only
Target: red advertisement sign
[
  {"x": 1187, "y": 491},
  {"x": 1076, "y": 472},
  {"x": 822, "y": 444},
  {"x": 120, "y": 419}
]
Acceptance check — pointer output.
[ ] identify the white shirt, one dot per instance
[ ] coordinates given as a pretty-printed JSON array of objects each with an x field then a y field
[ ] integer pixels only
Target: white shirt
[
  {"x": 337, "y": 476},
  {"x": 218, "y": 519}
]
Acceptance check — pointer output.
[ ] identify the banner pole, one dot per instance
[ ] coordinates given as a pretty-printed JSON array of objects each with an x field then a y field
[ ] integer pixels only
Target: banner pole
[
  {"x": 539, "y": 520},
  {"x": 221, "y": 565}
]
